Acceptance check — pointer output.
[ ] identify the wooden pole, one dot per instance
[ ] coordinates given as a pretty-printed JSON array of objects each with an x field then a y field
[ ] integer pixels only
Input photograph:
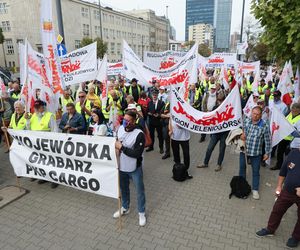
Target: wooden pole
[
  {"x": 8, "y": 144},
  {"x": 119, "y": 191}
]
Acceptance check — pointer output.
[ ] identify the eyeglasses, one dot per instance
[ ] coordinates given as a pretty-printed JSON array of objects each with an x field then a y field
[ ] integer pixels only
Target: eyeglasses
[{"x": 81, "y": 96}]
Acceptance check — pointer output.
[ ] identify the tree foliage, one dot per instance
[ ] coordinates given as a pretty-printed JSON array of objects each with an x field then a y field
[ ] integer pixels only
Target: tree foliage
[
  {"x": 2, "y": 38},
  {"x": 101, "y": 45},
  {"x": 204, "y": 50},
  {"x": 261, "y": 52},
  {"x": 281, "y": 22}
]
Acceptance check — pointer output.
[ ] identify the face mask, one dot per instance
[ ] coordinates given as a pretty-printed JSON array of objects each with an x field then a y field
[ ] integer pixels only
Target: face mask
[{"x": 125, "y": 123}]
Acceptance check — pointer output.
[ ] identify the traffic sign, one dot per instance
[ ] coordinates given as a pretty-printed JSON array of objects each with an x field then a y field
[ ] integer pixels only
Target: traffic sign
[
  {"x": 61, "y": 49},
  {"x": 59, "y": 38}
]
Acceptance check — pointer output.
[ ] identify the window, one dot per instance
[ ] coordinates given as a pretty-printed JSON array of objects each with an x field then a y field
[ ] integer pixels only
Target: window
[
  {"x": 105, "y": 31},
  {"x": 84, "y": 12},
  {"x": 118, "y": 33},
  {"x": 39, "y": 48},
  {"x": 118, "y": 20},
  {"x": 111, "y": 19},
  {"x": 77, "y": 44},
  {"x": 112, "y": 33},
  {"x": 3, "y": 8},
  {"x": 119, "y": 48},
  {"x": 97, "y": 30},
  {"x": 20, "y": 41},
  {"x": 112, "y": 48},
  {"x": 86, "y": 29},
  {"x": 96, "y": 14},
  {"x": 123, "y": 22},
  {"x": 9, "y": 47},
  {"x": 5, "y": 25},
  {"x": 105, "y": 17}
]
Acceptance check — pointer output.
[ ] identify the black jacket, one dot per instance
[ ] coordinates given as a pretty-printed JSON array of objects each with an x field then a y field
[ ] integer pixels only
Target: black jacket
[{"x": 152, "y": 111}]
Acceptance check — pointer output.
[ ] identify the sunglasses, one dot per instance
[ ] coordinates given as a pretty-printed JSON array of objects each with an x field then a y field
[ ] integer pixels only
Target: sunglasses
[{"x": 81, "y": 96}]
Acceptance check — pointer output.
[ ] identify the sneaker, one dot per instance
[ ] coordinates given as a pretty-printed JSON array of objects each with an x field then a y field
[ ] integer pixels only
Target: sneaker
[
  {"x": 123, "y": 212},
  {"x": 218, "y": 168},
  {"x": 264, "y": 232},
  {"x": 142, "y": 219},
  {"x": 202, "y": 166},
  {"x": 292, "y": 242},
  {"x": 255, "y": 195}
]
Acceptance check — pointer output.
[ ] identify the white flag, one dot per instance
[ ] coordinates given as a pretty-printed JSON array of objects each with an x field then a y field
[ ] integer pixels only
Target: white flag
[
  {"x": 269, "y": 76},
  {"x": 249, "y": 105},
  {"x": 279, "y": 126}
]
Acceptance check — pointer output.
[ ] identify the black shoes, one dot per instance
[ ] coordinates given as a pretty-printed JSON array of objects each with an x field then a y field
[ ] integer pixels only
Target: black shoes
[
  {"x": 166, "y": 156},
  {"x": 54, "y": 185},
  {"x": 161, "y": 151},
  {"x": 149, "y": 149},
  {"x": 274, "y": 168},
  {"x": 41, "y": 182}
]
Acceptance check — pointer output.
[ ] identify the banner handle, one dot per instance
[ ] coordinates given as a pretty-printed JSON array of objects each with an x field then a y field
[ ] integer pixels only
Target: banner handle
[
  {"x": 8, "y": 147},
  {"x": 119, "y": 191}
]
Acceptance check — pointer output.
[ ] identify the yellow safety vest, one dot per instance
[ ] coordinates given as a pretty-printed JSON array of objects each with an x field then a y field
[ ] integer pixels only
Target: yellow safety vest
[
  {"x": 21, "y": 124},
  {"x": 87, "y": 105},
  {"x": 43, "y": 124},
  {"x": 130, "y": 90},
  {"x": 15, "y": 97},
  {"x": 249, "y": 86},
  {"x": 119, "y": 111},
  {"x": 104, "y": 112},
  {"x": 292, "y": 121}
]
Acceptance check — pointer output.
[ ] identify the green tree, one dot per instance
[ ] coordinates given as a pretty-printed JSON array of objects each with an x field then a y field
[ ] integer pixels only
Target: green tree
[
  {"x": 281, "y": 22},
  {"x": 261, "y": 52},
  {"x": 204, "y": 50},
  {"x": 101, "y": 45}
]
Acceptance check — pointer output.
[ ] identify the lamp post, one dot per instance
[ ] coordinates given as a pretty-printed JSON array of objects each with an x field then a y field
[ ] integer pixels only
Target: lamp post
[
  {"x": 60, "y": 21},
  {"x": 100, "y": 19},
  {"x": 242, "y": 26}
]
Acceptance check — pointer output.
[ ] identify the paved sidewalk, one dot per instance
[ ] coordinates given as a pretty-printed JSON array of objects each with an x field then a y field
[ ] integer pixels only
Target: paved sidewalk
[{"x": 195, "y": 214}]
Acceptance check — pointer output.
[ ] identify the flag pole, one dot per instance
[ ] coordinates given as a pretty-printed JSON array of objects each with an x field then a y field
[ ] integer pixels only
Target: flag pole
[{"x": 8, "y": 145}]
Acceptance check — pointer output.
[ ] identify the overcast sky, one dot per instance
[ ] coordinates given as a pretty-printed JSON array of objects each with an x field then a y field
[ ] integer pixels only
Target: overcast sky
[{"x": 176, "y": 11}]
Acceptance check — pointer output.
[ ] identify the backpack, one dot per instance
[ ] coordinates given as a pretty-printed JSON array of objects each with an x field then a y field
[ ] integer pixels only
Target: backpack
[
  {"x": 239, "y": 187},
  {"x": 179, "y": 172}
]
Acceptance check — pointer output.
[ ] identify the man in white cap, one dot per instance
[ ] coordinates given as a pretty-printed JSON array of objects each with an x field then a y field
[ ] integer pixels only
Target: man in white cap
[{"x": 162, "y": 96}]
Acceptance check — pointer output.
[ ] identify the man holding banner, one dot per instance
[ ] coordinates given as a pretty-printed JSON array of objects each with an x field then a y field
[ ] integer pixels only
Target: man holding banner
[{"x": 130, "y": 143}]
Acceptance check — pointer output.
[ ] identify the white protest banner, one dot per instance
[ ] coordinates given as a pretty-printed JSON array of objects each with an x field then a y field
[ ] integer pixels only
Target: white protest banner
[
  {"x": 176, "y": 75},
  {"x": 249, "y": 105},
  {"x": 218, "y": 60},
  {"x": 23, "y": 62},
  {"x": 52, "y": 62},
  {"x": 102, "y": 77},
  {"x": 87, "y": 163},
  {"x": 162, "y": 60},
  {"x": 241, "y": 48},
  {"x": 115, "y": 69},
  {"x": 279, "y": 126},
  {"x": 226, "y": 117},
  {"x": 297, "y": 84},
  {"x": 80, "y": 65},
  {"x": 245, "y": 67}
]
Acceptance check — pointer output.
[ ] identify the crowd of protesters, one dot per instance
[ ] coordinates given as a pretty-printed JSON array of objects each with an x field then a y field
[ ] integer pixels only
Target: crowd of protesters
[{"x": 130, "y": 111}]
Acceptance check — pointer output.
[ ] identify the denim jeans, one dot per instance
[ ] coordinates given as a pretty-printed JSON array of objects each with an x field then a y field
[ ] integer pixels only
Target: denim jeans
[
  {"x": 255, "y": 164},
  {"x": 212, "y": 143},
  {"x": 137, "y": 178}
]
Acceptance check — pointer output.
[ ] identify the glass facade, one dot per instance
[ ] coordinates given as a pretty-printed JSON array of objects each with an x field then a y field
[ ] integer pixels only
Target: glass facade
[
  {"x": 223, "y": 24},
  {"x": 198, "y": 11},
  {"x": 214, "y": 12}
]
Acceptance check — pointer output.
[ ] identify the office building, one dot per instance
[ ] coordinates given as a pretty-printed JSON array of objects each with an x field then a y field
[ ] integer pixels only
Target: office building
[
  {"x": 202, "y": 33},
  {"x": 21, "y": 19},
  {"x": 214, "y": 12}
]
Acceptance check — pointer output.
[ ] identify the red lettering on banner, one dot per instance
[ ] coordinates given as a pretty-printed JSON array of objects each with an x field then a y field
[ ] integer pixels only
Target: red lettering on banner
[
  {"x": 274, "y": 128},
  {"x": 216, "y": 60},
  {"x": 168, "y": 63},
  {"x": 40, "y": 70},
  {"x": 174, "y": 79},
  {"x": 207, "y": 120},
  {"x": 67, "y": 66},
  {"x": 117, "y": 65},
  {"x": 56, "y": 80}
]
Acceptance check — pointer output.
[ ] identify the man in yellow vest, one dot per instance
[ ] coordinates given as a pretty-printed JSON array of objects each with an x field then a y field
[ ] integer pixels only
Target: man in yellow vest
[
  {"x": 41, "y": 120},
  {"x": 83, "y": 106},
  {"x": 18, "y": 121},
  {"x": 283, "y": 146},
  {"x": 16, "y": 93},
  {"x": 65, "y": 99}
]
